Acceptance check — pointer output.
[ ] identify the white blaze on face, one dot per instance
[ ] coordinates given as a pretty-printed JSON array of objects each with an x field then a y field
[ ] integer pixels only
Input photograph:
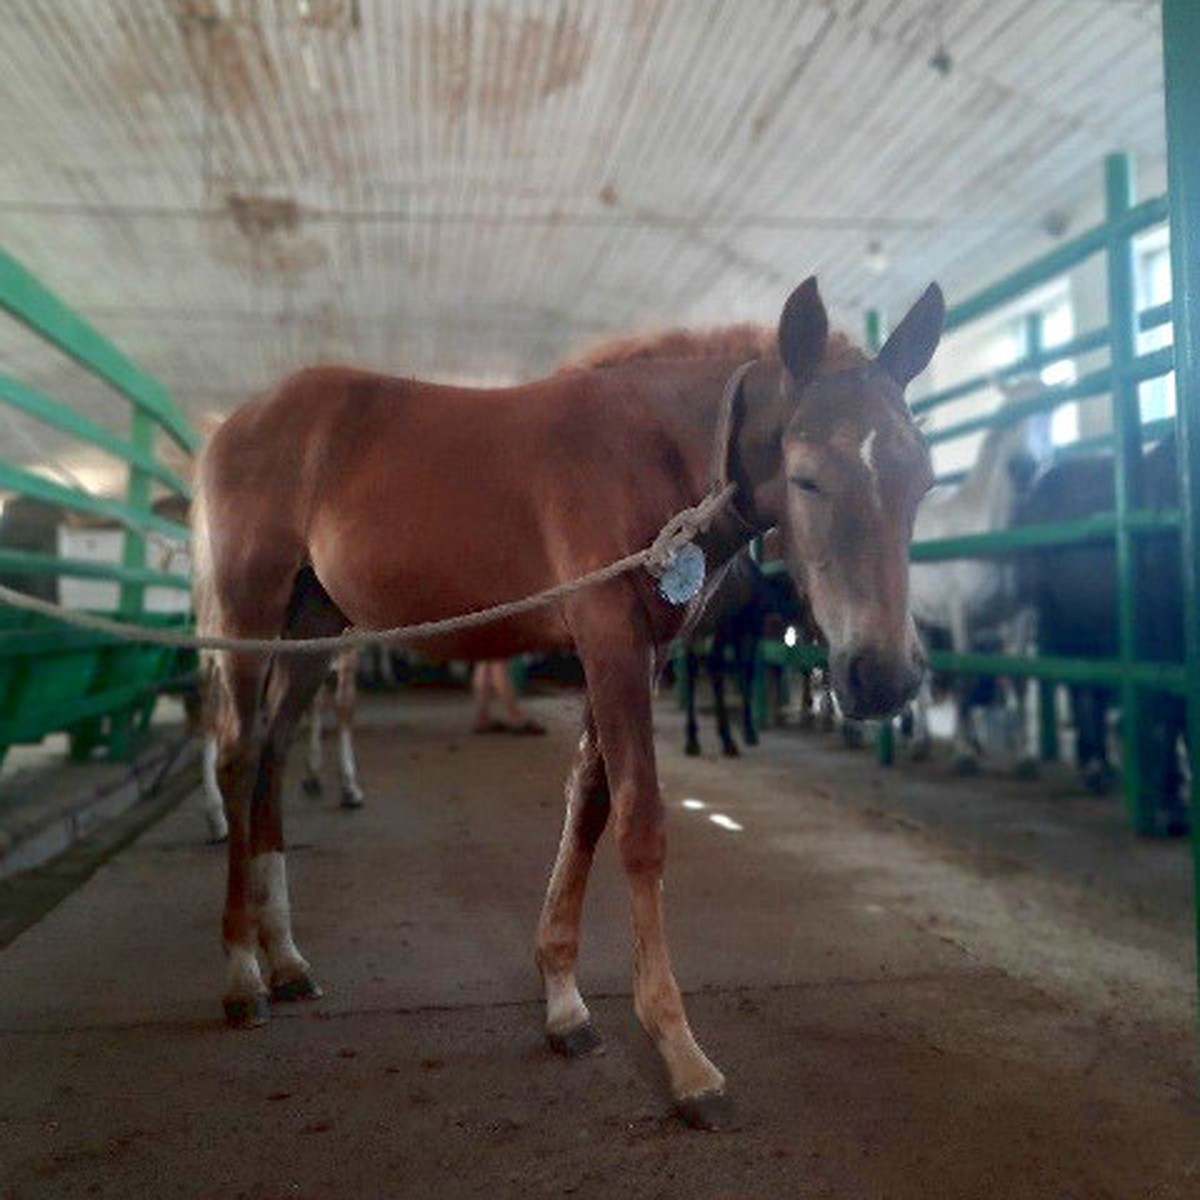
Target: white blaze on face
[{"x": 866, "y": 452}]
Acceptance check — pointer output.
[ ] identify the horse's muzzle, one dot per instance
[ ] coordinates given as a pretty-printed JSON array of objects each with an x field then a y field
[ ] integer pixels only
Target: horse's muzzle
[{"x": 870, "y": 684}]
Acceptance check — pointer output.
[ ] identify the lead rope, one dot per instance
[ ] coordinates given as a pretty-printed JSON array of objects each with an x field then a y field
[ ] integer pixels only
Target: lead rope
[{"x": 681, "y": 529}]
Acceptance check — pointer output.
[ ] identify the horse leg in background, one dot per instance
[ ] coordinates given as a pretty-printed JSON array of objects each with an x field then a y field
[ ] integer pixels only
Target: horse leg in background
[
  {"x": 345, "y": 701},
  {"x": 214, "y": 802},
  {"x": 618, "y": 663},
  {"x": 808, "y": 717},
  {"x": 1090, "y": 706},
  {"x": 691, "y": 666},
  {"x": 1167, "y": 720},
  {"x": 716, "y": 673},
  {"x": 745, "y": 652},
  {"x": 966, "y": 748},
  {"x": 314, "y": 758},
  {"x": 825, "y": 703},
  {"x": 568, "y": 1023},
  {"x": 206, "y": 725},
  {"x": 921, "y": 745}
]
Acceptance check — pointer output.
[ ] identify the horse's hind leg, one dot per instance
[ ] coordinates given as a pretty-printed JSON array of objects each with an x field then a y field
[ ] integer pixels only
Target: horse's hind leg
[
  {"x": 293, "y": 684},
  {"x": 345, "y": 701},
  {"x": 568, "y": 1023},
  {"x": 238, "y": 748},
  {"x": 314, "y": 757}
]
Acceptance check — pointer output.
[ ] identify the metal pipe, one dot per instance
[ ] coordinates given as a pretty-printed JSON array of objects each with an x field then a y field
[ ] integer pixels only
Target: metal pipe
[{"x": 1181, "y": 36}]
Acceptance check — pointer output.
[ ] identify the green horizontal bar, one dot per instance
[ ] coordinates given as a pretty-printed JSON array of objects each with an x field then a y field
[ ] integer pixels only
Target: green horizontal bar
[
  {"x": 34, "y": 725},
  {"x": 1096, "y": 383},
  {"x": 1152, "y": 431},
  {"x": 1057, "y": 262},
  {"x": 30, "y": 301},
  {"x": 1029, "y": 537},
  {"x": 801, "y": 657},
  {"x": 32, "y": 563},
  {"x": 1086, "y": 343},
  {"x": 1168, "y": 677},
  {"x": 51, "y": 412},
  {"x": 1156, "y": 315},
  {"x": 17, "y": 480}
]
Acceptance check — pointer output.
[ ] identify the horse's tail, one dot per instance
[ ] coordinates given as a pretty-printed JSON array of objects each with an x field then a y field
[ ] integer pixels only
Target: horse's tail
[{"x": 205, "y": 603}]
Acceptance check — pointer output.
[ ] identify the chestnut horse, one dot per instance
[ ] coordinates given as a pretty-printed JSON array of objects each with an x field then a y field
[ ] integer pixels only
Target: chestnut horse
[{"x": 346, "y": 497}]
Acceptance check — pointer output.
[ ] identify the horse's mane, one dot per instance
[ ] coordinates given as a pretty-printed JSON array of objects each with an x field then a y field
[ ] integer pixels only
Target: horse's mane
[{"x": 734, "y": 342}]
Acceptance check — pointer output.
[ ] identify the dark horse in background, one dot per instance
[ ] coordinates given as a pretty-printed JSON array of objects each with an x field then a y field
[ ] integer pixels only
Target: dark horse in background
[
  {"x": 1073, "y": 591},
  {"x": 734, "y": 621},
  {"x": 345, "y": 497}
]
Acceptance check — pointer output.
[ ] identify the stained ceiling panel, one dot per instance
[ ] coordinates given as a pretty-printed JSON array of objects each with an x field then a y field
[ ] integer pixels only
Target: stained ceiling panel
[{"x": 466, "y": 189}]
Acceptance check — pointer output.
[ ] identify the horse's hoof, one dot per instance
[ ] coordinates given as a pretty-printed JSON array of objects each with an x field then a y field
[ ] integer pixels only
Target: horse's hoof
[
  {"x": 751, "y": 739},
  {"x": 352, "y": 799},
  {"x": 692, "y": 749},
  {"x": 576, "y": 1043},
  {"x": 311, "y": 785},
  {"x": 303, "y": 987},
  {"x": 731, "y": 751},
  {"x": 966, "y": 764},
  {"x": 710, "y": 1111},
  {"x": 246, "y": 1012}
]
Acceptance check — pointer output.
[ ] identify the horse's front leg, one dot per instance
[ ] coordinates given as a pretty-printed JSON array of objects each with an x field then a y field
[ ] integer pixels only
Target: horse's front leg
[
  {"x": 618, "y": 668},
  {"x": 568, "y": 1023}
]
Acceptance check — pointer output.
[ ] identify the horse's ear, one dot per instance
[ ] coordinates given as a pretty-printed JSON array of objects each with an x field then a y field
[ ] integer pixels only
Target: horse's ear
[
  {"x": 803, "y": 331},
  {"x": 907, "y": 352}
]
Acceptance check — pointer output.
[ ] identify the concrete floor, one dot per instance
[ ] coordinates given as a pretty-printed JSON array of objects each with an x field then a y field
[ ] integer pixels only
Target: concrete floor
[{"x": 917, "y": 986}]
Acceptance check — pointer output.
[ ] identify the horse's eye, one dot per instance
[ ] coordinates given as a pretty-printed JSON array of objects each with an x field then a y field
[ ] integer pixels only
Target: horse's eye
[{"x": 804, "y": 484}]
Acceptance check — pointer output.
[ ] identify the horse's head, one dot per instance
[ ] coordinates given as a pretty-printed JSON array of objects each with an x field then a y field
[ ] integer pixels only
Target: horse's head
[{"x": 854, "y": 468}]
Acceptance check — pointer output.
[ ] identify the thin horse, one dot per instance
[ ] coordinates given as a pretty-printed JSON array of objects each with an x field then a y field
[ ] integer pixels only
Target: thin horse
[{"x": 346, "y": 497}]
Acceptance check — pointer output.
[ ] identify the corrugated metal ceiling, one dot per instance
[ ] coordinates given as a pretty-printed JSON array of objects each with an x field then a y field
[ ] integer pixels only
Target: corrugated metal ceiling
[{"x": 458, "y": 189}]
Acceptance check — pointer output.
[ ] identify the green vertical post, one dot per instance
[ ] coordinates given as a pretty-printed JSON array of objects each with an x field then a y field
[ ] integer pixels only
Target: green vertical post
[
  {"x": 137, "y": 496},
  {"x": 133, "y": 595},
  {"x": 1181, "y": 36},
  {"x": 1127, "y": 445},
  {"x": 885, "y": 738},
  {"x": 1047, "y": 688}
]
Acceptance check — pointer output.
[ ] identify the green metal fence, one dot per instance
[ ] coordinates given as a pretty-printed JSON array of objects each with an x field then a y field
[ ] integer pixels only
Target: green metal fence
[
  {"x": 52, "y": 678},
  {"x": 1118, "y": 380}
]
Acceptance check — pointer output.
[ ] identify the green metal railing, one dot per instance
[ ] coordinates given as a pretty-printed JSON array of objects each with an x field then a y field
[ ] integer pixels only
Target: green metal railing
[
  {"x": 1181, "y": 36},
  {"x": 52, "y": 678},
  {"x": 1119, "y": 380}
]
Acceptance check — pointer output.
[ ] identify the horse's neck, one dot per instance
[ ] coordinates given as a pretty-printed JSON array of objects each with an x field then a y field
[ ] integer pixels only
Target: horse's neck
[{"x": 988, "y": 493}]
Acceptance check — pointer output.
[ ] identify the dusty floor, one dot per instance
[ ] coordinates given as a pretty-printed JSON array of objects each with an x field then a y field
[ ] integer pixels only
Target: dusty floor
[{"x": 917, "y": 986}]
